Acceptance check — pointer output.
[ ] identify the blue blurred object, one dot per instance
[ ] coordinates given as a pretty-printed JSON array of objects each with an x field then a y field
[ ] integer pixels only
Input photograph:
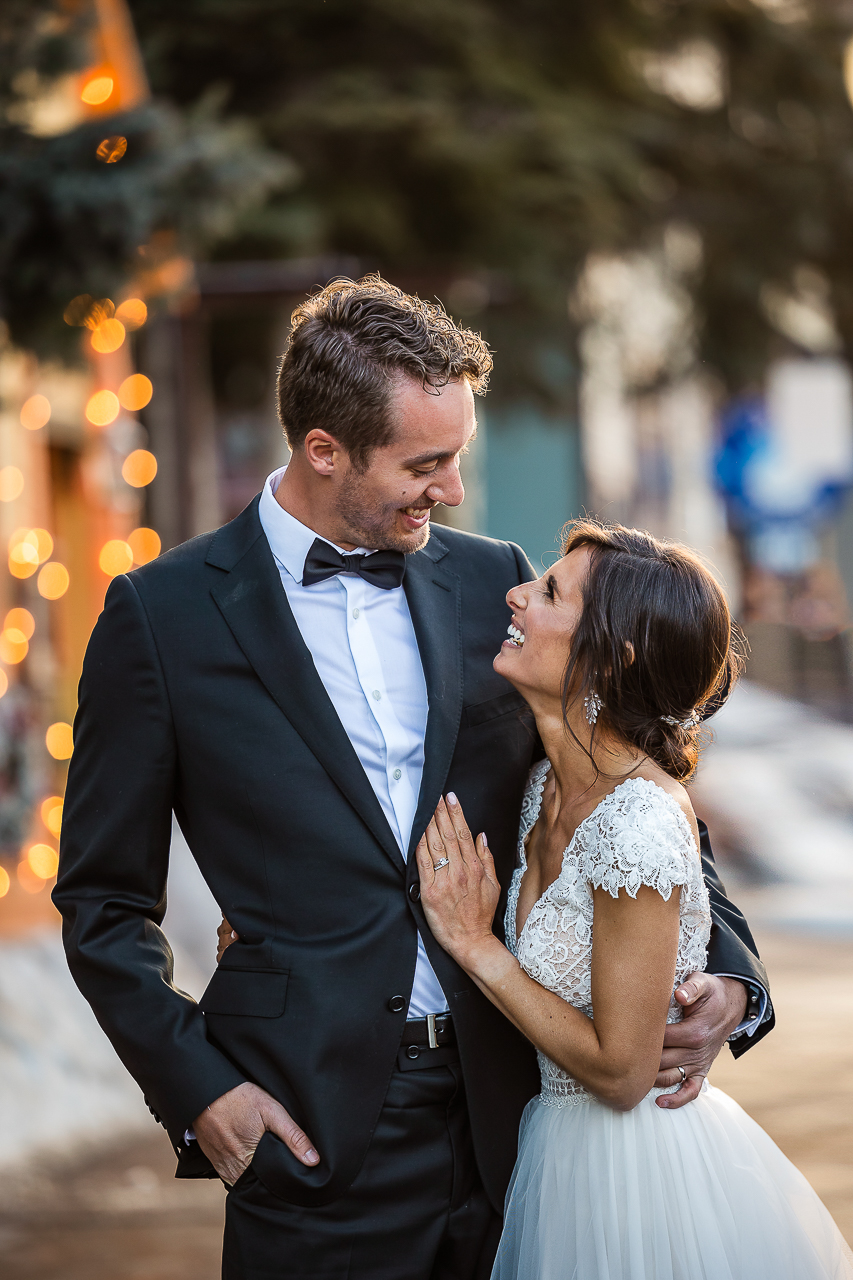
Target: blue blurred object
[{"x": 778, "y": 509}]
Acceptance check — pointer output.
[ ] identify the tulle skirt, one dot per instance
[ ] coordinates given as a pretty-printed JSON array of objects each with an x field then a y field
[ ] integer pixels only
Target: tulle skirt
[{"x": 701, "y": 1193}]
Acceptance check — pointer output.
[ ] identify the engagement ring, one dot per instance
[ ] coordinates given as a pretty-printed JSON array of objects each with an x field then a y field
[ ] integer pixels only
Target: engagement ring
[{"x": 436, "y": 866}]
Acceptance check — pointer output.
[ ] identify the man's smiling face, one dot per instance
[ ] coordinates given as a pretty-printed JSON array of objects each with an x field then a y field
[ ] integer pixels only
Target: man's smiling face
[{"x": 387, "y": 505}]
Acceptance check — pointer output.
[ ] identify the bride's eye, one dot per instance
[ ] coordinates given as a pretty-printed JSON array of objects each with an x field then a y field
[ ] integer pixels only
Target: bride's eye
[{"x": 549, "y": 588}]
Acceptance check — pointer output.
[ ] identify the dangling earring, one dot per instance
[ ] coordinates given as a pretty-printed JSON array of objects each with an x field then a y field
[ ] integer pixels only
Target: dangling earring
[{"x": 592, "y": 704}]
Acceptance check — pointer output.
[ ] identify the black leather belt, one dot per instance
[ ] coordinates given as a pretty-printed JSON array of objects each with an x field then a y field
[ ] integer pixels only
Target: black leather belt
[{"x": 428, "y": 1042}]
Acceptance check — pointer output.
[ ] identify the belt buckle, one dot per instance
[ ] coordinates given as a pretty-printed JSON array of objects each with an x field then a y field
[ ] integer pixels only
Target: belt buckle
[{"x": 431, "y": 1036}]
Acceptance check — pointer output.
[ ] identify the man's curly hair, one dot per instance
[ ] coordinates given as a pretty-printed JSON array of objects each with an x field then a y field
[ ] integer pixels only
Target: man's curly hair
[{"x": 349, "y": 343}]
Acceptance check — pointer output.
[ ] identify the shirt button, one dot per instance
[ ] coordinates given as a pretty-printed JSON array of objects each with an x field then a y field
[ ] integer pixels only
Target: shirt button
[
  {"x": 356, "y": 612},
  {"x": 377, "y": 695},
  {"x": 398, "y": 773}
]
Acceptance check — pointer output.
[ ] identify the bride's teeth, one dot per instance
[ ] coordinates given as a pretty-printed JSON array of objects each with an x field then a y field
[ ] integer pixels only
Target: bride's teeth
[{"x": 516, "y": 636}]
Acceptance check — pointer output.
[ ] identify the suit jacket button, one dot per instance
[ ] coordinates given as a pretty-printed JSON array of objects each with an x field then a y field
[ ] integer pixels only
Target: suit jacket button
[
  {"x": 413, "y": 1052},
  {"x": 414, "y": 891},
  {"x": 397, "y": 1004}
]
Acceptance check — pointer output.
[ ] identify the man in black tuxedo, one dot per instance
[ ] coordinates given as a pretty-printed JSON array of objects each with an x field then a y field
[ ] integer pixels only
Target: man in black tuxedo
[{"x": 300, "y": 687}]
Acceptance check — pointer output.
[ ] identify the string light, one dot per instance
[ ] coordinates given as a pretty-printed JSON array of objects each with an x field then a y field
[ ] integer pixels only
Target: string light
[
  {"x": 59, "y": 740},
  {"x": 135, "y": 392},
  {"x": 14, "y": 646},
  {"x": 22, "y": 620},
  {"x": 53, "y": 581},
  {"x": 35, "y": 413},
  {"x": 23, "y": 553},
  {"x": 112, "y": 149},
  {"x": 139, "y": 468},
  {"x": 132, "y": 313},
  {"x": 145, "y": 545},
  {"x": 27, "y": 878},
  {"x": 108, "y": 336},
  {"x": 102, "y": 408},
  {"x": 44, "y": 544},
  {"x": 51, "y": 814},
  {"x": 116, "y": 557},
  {"x": 11, "y": 483},
  {"x": 43, "y": 860},
  {"x": 97, "y": 90}
]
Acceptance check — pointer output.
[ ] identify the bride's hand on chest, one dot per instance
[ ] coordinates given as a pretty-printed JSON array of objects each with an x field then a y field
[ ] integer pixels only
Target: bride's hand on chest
[{"x": 459, "y": 887}]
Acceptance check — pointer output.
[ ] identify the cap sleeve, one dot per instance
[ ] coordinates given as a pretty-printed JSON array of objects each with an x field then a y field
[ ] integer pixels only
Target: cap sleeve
[{"x": 638, "y": 835}]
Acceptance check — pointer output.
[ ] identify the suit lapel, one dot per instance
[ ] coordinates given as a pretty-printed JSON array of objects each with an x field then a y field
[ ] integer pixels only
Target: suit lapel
[
  {"x": 254, "y": 605},
  {"x": 435, "y": 603}
]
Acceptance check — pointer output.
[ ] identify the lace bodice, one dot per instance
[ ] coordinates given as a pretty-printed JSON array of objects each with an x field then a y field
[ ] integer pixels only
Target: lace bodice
[{"x": 637, "y": 835}]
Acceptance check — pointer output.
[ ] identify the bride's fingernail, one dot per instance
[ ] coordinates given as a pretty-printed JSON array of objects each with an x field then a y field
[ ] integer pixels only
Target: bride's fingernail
[
  {"x": 233, "y": 935},
  {"x": 451, "y": 798}
]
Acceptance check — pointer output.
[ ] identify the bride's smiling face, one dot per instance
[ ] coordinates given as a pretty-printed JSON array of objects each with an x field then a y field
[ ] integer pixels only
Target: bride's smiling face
[{"x": 545, "y": 615}]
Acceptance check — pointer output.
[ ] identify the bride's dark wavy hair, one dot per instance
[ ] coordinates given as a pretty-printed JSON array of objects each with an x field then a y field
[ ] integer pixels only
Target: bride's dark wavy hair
[{"x": 657, "y": 599}]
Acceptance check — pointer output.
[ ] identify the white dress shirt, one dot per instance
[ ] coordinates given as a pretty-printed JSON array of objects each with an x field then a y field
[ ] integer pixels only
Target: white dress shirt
[{"x": 364, "y": 648}]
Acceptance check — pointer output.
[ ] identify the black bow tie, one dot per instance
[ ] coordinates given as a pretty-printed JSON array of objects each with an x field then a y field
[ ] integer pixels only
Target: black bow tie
[{"x": 384, "y": 569}]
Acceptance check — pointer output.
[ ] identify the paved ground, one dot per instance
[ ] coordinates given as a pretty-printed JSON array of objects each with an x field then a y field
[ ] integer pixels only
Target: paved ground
[{"x": 123, "y": 1217}]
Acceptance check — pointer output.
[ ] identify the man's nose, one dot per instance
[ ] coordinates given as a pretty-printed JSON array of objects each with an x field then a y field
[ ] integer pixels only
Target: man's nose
[{"x": 449, "y": 489}]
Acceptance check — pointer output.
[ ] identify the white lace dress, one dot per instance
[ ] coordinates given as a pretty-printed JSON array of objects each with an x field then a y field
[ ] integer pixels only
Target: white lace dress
[{"x": 701, "y": 1193}]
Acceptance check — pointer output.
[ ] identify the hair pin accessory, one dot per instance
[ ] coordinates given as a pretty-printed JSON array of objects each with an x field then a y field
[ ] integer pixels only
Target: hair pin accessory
[{"x": 689, "y": 722}]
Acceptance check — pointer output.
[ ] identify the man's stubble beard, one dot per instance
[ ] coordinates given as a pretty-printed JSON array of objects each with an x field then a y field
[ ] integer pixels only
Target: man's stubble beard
[{"x": 375, "y": 529}]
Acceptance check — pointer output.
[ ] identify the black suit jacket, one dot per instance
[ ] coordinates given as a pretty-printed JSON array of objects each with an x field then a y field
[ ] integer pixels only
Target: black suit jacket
[{"x": 199, "y": 695}]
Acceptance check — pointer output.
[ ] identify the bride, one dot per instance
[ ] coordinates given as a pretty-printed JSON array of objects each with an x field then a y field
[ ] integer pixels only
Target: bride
[{"x": 616, "y": 649}]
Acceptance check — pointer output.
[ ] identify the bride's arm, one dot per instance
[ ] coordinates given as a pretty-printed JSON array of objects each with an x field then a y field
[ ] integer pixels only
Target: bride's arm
[{"x": 616, "y": 1056}]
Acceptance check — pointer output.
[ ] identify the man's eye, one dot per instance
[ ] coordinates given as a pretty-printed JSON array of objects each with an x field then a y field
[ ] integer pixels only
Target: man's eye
[{"x": 431, "y": 472}]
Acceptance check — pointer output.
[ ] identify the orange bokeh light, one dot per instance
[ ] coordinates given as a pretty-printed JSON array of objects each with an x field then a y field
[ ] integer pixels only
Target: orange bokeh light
[
  {"x": 116, "y": 557},
  {"x": 4, "y": 683},
  {"x": 145, "y": 545},
  {"x": 5, "y": 882},
  {"x": 23, "y": 553},
  {"x": 139, "y": 468},
  {"x": 112, "y": 149},
  {"x": 53, "y": 580},
  {"x": 51, "y": 814},
  {"x": 102, "y": 408},
  {"x": 43, "y": 860},
  {"x": 97, "y": 90},
  {"x": 35, "y": 413},
  {"x": 13, "y": 646},
  {"x": 22, "y": 620},
  {"x": 132, "y": 313},
  {"x": 135, "y": 392},
  {"x": 27, "y": 878},
  {"x": 44, "y": 544},
  {"x": 11, "y": 483},
  {"x": 59, "y": 740},
  {"x": 108, "y": 336}
]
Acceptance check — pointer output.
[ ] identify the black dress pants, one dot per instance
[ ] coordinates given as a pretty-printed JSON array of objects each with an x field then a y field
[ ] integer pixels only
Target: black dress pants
[{"x": 416, "y": 1210}]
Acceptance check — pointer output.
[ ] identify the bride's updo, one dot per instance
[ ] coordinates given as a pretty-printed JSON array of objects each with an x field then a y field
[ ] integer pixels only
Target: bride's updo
[{"x": 655, "y": 642}]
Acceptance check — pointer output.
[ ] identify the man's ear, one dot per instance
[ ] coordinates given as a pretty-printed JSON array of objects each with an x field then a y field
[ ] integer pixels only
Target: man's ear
[{"x": 323, "y": 452}]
